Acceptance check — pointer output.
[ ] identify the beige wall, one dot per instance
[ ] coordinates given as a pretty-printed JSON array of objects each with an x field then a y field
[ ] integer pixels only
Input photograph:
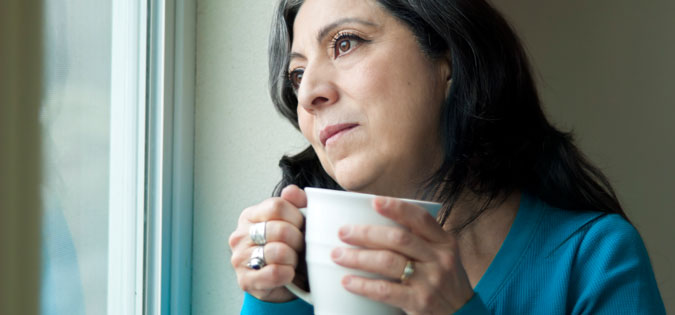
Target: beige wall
[
  {"x": 239, "y": 140},
  {"x": 605, "y": 71},
  {"x": 604, "y": 68}
]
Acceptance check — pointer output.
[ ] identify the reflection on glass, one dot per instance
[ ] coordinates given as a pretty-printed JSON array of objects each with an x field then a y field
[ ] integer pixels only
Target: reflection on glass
[{"x": 75, "y": 117}]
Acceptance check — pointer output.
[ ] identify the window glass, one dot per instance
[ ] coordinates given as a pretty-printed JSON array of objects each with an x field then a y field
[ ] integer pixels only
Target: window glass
[{"x": 75, "y": 116}]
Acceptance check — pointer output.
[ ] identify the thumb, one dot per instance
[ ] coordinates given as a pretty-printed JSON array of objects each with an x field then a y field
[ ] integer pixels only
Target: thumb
[{"x": 294, "y": 195}]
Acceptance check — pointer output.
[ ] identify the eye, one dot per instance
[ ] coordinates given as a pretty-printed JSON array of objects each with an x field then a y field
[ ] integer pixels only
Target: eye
[
  {"x": 295, "y": 77},
  {"x": 344, "y": 43}
]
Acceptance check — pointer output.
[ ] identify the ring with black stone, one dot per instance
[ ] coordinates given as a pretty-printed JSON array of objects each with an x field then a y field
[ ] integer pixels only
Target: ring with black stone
[{"x": 257, "y": 260}]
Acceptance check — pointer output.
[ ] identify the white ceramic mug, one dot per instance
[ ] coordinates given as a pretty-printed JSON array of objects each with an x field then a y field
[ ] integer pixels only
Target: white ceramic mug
[{"x": 327, "y": 211}]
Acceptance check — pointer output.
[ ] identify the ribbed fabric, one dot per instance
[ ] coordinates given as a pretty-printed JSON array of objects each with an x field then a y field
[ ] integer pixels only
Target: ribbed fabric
[
  {"x": 255, "y": 306},
  {"x": 553, "y": 261}
]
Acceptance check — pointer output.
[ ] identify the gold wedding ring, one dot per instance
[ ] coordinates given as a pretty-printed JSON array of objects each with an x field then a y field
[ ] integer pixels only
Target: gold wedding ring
[{"x": 408, "y": 271}]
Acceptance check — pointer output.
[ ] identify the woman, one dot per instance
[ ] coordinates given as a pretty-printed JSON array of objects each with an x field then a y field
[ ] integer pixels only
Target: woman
[{"x": 433, "y": 99}]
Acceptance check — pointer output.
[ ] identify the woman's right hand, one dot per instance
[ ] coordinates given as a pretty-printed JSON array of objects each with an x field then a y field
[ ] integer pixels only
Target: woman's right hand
[{"x": 284, "y": 242}]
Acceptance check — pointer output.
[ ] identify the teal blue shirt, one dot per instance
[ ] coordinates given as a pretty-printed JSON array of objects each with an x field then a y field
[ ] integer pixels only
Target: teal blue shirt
[{"x": 553, "y": 261}]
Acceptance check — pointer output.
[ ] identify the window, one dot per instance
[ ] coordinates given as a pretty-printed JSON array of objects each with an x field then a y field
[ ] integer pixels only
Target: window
[
  {"x": 117, "y": 121},
  {"x": 76, "y": 122}
]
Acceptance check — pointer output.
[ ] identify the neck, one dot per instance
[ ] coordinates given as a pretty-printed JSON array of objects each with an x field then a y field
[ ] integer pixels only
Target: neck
[{"x": 480, "y": 241}]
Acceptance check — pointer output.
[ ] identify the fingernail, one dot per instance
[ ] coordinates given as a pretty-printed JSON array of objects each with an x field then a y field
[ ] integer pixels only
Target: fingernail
[
  {"x": 337, "y": 253},
  {"x": 346, "y": 281},
  {"x": 345, "y": 231},
  {"x": 381, "y": 202}
]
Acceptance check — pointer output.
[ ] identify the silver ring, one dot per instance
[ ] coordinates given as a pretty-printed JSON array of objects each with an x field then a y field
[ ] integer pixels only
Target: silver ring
[
  {"x": 257, "y": 260},
  {"x": 257, "y": 233},
  {"x": 408, "y": 271}
]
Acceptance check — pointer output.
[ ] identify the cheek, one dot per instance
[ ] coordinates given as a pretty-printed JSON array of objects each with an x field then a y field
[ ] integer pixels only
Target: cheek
[
  {"x": 391, "y": 97},
  {"x": 402, "y": 104},
  {"x": 306, "y": 123},
  {"x": 367, "y": 81}
]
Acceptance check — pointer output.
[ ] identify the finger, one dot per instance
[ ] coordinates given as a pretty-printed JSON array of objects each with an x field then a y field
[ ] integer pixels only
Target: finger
[
  {"x": 284, "y": 232},
  {"x": 294, "y": 195},
  {"x": 273, "y": 253},
  {"x": 269, "y": 277},
  {"x": 379, "y": 290},
  {"x": 275, "y": 231},
  {"x": 387, "y": 237},
  {"x": 273, "y": 209},
  {"x": 382, "y": 262},
  {"x": 416, "y": 218}
]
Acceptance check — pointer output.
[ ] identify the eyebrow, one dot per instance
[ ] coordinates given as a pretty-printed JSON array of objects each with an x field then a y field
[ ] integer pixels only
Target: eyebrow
[{"x": 328, "y": 28}]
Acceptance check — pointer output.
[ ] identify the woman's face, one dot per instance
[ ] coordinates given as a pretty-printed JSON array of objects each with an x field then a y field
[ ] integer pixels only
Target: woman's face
[{"x": 368, "y": 98}]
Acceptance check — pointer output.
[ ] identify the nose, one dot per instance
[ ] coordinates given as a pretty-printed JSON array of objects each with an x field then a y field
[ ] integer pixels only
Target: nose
[{"x": 317, "y": 89}]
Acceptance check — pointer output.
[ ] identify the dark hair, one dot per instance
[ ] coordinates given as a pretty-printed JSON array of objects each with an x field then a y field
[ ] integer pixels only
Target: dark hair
[{"x": 495, "y": 136}]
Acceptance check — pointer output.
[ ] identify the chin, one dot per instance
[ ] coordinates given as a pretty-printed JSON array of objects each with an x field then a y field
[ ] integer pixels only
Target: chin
[
  {"x": 354, "y": 179},
  {"x": 355, "y": 173},
  {"x": 350, "y": 183},
  {"x": 361, "y": 183}
]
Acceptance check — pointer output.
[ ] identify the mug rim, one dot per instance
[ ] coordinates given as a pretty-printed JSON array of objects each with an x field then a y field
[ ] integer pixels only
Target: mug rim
[{"x": 369, "y": 196}]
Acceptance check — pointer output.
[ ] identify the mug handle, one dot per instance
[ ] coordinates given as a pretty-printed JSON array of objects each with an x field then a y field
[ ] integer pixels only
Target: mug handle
[{"x": 306, "y": 296}]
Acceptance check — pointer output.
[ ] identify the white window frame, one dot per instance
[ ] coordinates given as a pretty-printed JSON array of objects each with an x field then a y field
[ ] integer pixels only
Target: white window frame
[
  {"x": 127, "y": 157},
  {"x": 151, "y": 168},
  {"x": 170, "y": 151}
]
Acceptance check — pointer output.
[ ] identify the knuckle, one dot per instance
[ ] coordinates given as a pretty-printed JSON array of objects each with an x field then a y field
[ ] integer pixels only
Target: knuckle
[
  {"x": 275, "y": 273},
  {"x": 421, "y": 217},
  {"x": 282, "y": 233},
  {"x": 276, "y": 206},
  {"x": 447, "y": 260},
  {"x": 399, "y": 237},
  {"x": 387, "y": 260},
  {"x": 280, "y": 253},
  {"x": 246, "y": 214},
  {"x": 382, "y": 291},
  {"x": 235, "y": 238},
  {"x": 234, "y": 260},
  {"x": 436, "y": 279},
  {"x": 271, "y": 252},
  {"x": 357, "y": 257},
  {"x": 364, "y": 231},
  {"x": 285, "y": 255},
  {"x": 238, "y": 256},
  {"x": 287, "y": 234}
]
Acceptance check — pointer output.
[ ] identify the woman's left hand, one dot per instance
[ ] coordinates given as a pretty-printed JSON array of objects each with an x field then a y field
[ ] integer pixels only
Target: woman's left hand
[{"x": 439, "y": 284}]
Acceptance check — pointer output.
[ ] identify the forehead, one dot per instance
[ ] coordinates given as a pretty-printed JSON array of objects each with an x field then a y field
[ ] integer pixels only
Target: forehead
[{"x": 316, "y": 14}]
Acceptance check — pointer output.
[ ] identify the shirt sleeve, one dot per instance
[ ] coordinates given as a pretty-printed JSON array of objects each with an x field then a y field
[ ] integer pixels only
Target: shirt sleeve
[
  {"x": 253, "y": 306},
  {"x": 475, "y": 306},
  {"x": 614, "y": 274}
]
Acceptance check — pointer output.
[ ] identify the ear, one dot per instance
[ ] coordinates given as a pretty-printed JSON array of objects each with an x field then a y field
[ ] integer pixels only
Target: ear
[{"x": 445, "y": 64}]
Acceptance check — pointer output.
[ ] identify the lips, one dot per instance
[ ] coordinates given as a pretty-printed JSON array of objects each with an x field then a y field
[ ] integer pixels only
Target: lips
[{"x": 333, "y": 130}]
